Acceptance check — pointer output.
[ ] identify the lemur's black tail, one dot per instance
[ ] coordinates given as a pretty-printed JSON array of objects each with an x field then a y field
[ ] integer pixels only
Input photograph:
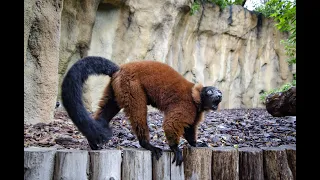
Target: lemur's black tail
[{"x": 96, "y": 131}]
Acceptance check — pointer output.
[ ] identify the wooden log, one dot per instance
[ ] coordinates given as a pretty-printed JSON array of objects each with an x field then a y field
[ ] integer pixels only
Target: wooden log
[
  {"x": 250, "y": 163},
  {"x": 282, "y": 103},
  {"x": 197, "y": 163},
  {"x": 177, "y": 172},
  {"x": 275, "y": 164},
  {"x": 225, "y": 163},
  {"x": 164, "y": 169},
  {"x": 291, "y": 156},
  {"x": 71, "y": 164},
  {"x": 136, "y": 164},
  {"x": 38, "y": 163},
  {"x": 105, "y": 164}
]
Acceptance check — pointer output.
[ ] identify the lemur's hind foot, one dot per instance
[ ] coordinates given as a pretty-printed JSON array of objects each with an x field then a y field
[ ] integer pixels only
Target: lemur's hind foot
[{"x": 155, "y": 151}]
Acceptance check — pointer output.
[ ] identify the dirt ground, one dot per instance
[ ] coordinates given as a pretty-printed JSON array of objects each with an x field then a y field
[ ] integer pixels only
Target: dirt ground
[{"x": 233, "y": 127}]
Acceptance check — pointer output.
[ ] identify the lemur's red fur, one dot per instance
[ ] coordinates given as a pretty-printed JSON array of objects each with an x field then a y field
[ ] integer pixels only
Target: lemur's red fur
[
  {"x": 132, "y": 87},
  {"x": 139, "y": 84}
]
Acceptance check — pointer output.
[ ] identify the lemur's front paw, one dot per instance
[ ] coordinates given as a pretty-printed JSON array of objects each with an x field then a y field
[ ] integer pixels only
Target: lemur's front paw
[{"x": 177, "y": 156}]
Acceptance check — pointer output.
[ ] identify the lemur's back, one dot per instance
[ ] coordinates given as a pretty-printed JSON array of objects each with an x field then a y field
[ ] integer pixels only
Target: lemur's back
[{"x": 161, "y": 83}]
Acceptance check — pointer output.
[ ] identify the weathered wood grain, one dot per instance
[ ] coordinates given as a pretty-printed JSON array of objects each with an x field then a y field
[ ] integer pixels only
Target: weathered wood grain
[
  {"x": 225, "y": 163},
  {"x": 71, "y": 165},
  {"x": 197, "y": 163},
  {"x": 291, "y": 156},
  {"x": 250, "y": 163},
  {"x": 177, "y": 172},
  {"x": 221, "y": 163},
  {"x": 164, "y": 169},
  {"x": 38, "y": 163},
  {"x": 136, "y": 164},
  {"x": 105, "y": 164},
  {"x": 275, "y": 164}
]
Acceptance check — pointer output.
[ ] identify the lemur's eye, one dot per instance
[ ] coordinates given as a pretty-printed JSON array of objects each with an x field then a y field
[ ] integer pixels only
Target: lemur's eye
[{"x": 209, "y": 92}]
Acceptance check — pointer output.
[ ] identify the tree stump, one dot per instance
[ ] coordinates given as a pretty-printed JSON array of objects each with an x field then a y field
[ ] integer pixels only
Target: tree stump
[
  {"x": 282, "y": 104},
  {"x": 177, "y": 172},
  {"x": 197, "y": 163},
  {"x": 225, "y": 163},
  {"x": 291, "y": 156},
  {"x": 250, "y": 163},
  {"x": 71, "y": 164},
  {"x": 276, "y": 165},
  {"x": 164, "y": 169},
  {"x": 38, "y": 163},
  {"x": 105, "y": 164},
  {"x": 136, "y": 164}
]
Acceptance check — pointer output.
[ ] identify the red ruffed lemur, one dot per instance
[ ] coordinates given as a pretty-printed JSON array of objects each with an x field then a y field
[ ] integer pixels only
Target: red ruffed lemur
[{"x": 133, "y": 86}]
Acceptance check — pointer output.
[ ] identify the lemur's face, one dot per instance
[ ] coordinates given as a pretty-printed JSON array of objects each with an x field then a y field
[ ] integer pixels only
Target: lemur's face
[{"x": 211, "y": 97}]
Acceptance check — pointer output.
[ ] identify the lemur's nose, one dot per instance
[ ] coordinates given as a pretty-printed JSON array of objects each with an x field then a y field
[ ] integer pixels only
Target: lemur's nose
[{"x": 218, "y": 96}]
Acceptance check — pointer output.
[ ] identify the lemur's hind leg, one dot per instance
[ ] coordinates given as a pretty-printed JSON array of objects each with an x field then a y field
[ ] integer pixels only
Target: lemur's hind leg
[
  {"x": 108, "y": 108},
  {"x": 138, "y": 119},
  {"x": 134, "y": 101}
]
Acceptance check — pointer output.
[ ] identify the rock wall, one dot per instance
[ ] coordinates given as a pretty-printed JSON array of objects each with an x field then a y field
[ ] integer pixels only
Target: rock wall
[
  {"x": 234, "y": 49},
  {"x": 41, "y": 58}
]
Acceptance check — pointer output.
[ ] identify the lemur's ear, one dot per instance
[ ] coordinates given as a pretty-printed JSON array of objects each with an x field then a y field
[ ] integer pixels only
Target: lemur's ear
[{"x": 196, "y": 90}]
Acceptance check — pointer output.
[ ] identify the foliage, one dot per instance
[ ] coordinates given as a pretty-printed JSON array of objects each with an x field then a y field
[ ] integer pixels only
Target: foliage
[
  {"x": 195, "y": 7},
  {"x": 284, "y": 13},
  {"x": 283, "y": 88},
  {"x": 222, "y": 3}
]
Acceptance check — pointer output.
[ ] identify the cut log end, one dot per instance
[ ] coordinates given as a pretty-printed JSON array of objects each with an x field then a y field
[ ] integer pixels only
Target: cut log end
[
  {"x": 250, "y": 163},
  {"x": 225, "y": 163},
  {"x": 38, "y": 163},
  {"x": 105, "y": 164},
  {"x": 276, "y": 164},
  {"x": 136, "y": 164},
  {"x": 71, "y": 164},
  {"x": 282, "y": 104},
  {"x": 197, "y": 163}
]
